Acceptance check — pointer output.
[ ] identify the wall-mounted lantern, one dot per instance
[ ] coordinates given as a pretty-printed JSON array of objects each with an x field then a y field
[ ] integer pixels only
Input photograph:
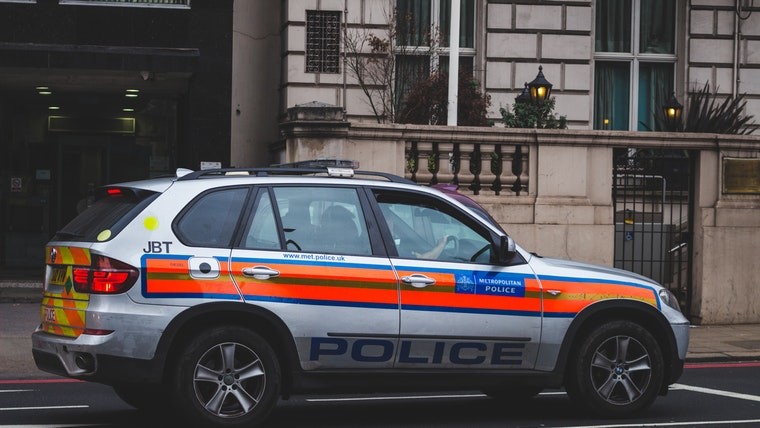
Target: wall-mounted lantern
[
  {"x": 540, "y": 88},
  {"x": 672, "y": 110},
  {"x": 524, "y": 97}
]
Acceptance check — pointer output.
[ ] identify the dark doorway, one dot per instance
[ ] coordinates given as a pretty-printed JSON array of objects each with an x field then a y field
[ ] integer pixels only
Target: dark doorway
[{"x": 86, "y": 162}]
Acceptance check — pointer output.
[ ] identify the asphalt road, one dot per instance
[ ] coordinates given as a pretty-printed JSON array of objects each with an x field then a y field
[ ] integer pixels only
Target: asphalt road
[
  {"x": 724, "y": 395},
  {"x": 17, "y": 322}
]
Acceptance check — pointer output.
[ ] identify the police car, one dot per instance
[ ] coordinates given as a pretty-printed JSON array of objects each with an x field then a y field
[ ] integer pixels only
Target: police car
[{"x": 215, "y": 293}]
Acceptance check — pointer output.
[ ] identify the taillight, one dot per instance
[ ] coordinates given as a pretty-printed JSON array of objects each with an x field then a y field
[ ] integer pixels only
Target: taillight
[{"x": 104, "y": 276}]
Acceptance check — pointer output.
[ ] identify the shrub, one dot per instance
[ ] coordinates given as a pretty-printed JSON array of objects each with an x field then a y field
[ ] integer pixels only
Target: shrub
[{"x": 427, "y": 102}]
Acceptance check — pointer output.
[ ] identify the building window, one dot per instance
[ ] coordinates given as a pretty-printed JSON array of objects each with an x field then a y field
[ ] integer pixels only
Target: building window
[
  {"x": 422, "y": 40},
  {"x": 635, "y": 57},
  {"x": 322, "y": 41}
]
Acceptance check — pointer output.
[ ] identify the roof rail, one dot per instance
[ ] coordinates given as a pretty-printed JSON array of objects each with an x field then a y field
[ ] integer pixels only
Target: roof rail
[{"x": 286, "y": 170}]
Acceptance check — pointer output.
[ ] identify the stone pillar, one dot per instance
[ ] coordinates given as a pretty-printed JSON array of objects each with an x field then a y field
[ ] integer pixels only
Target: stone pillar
[
  {"x": 320, "y": 131},
  {"x": 573, "y": 211},
  {"x": 725, "y": 245},
  {"x": 313, "y": 131}
]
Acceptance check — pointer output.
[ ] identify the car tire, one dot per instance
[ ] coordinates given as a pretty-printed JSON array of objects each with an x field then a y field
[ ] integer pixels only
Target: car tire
[
  {"x": 227, "y": 376},
  {"x": 617, "y": 371}
]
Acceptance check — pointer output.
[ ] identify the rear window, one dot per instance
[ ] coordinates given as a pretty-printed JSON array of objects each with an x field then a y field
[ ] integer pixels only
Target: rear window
[{"x": 111, "y": 212}]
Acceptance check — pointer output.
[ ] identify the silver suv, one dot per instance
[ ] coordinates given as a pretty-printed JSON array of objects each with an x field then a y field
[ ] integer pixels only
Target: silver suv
[{"x": 225, "y": 290}]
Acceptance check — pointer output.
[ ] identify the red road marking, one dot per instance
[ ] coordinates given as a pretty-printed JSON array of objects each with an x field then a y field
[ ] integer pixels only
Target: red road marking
[{"x": 722, "y": 365}]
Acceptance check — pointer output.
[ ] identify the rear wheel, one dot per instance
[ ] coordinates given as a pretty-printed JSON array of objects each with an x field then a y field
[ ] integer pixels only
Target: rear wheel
[
  {"x": 227, "y": 376},
  {"x": 617, "y": 371}
]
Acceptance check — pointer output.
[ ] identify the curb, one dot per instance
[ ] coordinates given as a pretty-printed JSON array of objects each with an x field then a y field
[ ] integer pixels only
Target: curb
[{"x": 697, "y": 359}]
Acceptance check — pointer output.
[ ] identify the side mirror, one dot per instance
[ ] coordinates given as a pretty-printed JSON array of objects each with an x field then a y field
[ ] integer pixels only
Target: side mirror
[{"x": 507, "y": 248}]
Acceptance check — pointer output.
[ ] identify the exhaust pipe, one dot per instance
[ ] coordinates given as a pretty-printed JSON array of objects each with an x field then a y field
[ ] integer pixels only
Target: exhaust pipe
[{"x": 85, "y": 362}]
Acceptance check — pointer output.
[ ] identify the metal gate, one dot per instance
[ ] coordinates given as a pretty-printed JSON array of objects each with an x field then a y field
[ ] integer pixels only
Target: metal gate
[{"x": 653, "y": 199}]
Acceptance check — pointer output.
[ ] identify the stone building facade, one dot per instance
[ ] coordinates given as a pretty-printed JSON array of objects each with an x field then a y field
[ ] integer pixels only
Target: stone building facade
[{"x": 646, "y": 49}]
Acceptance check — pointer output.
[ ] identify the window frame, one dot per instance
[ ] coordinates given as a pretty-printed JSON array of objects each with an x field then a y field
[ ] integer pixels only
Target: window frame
[
  {"x": 437, "y": 51},
  {"x": 634, "y": 60}
]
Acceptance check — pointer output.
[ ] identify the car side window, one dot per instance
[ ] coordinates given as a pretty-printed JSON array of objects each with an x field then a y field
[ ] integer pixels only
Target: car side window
[
  {"x": 262, "y": 230},
  {"x": 421, "y": 228},
  {"x": 211, "y": 218},
  {"x": 323, "y": 219}
]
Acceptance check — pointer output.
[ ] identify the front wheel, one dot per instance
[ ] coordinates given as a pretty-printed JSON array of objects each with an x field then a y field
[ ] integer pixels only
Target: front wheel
[
  {"x": 227, "y": 376},
  {"x": 617, "y": 371}
]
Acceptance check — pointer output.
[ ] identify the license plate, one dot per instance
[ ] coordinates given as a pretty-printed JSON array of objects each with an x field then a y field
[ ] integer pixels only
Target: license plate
[
  {"x": 58, "y": 276},
  {"x": 50, "y": 315}
]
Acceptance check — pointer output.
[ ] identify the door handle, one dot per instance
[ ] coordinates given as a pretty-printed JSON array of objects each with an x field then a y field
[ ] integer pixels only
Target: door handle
[
  {"x": 418, "y": 280},
  {"x": 260, "y": 272}
]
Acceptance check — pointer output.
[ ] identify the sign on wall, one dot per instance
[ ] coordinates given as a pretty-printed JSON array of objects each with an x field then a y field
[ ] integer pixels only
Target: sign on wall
[
  {"x": 741, "y": 175},
  {"x": 16, "y": 184}
]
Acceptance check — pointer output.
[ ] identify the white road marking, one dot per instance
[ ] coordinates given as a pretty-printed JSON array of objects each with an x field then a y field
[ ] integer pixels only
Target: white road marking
[
  {"x": 729, "y": 394},
  {"x": 413, "y": 397},
  {"x": 76, "y": 406},
  {"x": 397, "y": 397},
  {"x": 16, "y": 390}
]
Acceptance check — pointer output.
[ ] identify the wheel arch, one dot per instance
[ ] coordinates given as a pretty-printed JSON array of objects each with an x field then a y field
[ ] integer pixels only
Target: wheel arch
[
  {"x": 263, "y": 322},
  {"x": 632, "y": 310}
]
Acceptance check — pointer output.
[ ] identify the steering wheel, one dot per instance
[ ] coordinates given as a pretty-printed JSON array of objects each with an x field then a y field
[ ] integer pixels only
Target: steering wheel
[{"x": 455, "y": 240}]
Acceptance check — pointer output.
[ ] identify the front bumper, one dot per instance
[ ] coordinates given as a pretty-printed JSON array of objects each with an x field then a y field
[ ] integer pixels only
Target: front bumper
[{"x": 681, "y": 335}]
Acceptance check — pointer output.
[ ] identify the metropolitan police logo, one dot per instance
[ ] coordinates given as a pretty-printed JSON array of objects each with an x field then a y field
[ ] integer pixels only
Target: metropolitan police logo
[
  {"x": 465, "y": 284},
  {"x": 53, "y": 255}
]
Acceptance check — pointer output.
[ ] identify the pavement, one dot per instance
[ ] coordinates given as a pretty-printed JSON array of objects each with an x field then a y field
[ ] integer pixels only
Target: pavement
[{"x": 708, "y": 343}]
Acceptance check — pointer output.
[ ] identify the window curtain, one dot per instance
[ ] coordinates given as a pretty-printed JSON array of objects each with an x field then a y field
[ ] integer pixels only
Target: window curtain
[
  {"x": 613, "y": 26},
  {"x": 409, "y": 69},
  {"x": 413, "y": 22},
  {"x": 655, "y": 85},
  {"x": 611, "y": 98},
  {"x": 657, "y": 26},
  {"x": 465, "y": 64},
  {"x": 466, "y": 23}
]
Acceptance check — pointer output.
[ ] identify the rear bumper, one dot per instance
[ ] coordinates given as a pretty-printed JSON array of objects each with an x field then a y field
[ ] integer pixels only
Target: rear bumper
[{"x": 63, "y": 360}]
